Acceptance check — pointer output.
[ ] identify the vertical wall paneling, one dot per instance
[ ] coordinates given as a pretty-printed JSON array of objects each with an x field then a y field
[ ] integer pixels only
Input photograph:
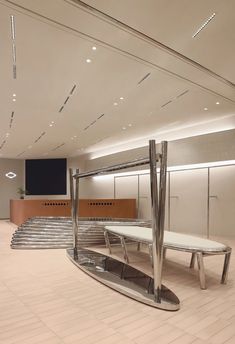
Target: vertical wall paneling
[
  {"x": 222, "y": 201},
  {"x": 127, "y": 187},
  {"x": 144, "y": 197},
  {"x": 188, "y": 201}
]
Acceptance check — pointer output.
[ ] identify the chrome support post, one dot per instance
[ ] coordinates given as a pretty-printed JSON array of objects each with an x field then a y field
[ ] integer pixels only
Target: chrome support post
[
  {"x": 225, "y": 268},
  {"x": 201, "y": 270},
  {"x": 74, "y": 209},
  {"x": 107, "y": 241},
  {"x": 158, "y": 212},
  {"x": 124, "y": 249},
  {"x": 192, "y": 261}
]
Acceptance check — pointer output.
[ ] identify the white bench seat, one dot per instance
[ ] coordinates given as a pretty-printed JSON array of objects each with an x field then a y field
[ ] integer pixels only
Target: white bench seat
[{"x": 199, "y": 247}]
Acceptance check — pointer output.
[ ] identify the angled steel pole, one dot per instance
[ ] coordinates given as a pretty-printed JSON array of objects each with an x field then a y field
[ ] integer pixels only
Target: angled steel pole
[{"x": 158, "y": 212}]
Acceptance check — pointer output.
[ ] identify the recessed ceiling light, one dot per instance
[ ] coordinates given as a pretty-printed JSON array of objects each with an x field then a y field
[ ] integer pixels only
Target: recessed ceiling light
[
  {"x": 205, "y": 109},
  {"x": 115, "y": 104},
  {"x": 217, "y": 103},
  {"x": 129, "y": 125},
  {"x": 121, "y": 98},
  {"x": 14, "y": 95},
  {"x": 88, "y": 60},
  {"x": 51, "y": 125},
  {"x": 94, "y": 48},
  {"x": 14, "y": 99},
  {"x": 7, "y": 134},
  {"x": 52, "y": 122},
  {"x": 123, "y": 128}
]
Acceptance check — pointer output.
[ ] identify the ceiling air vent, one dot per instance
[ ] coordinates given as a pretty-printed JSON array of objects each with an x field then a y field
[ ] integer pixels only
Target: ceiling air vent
[
  {"x": 11, "y": 119},
  {"x": 57, "y": 147},
  {"x": 39, "y": 138},
  {"x": 21, "y": 153},
  {"x": 2, "y": 144},
  {"x": 66, "y": 100},
  {"x": 144, "y": 78},
  {"x": 73, "y": 89},
  {"x": 182, "y": 94},
  {"x": 170, "y": 101},
  {"x": 100, "y": 116}
]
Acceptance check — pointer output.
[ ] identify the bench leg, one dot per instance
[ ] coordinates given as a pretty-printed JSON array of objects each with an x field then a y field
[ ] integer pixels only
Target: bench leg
[
  {"x": 225, "y": 268},
  {"x": 164, "y": 253},
  {"x": 201, "y": 270},
  {"x": 107, "y": 241},
  {"x": 151, "y": 254},
  {"x": 192, "y": 261},
  {"x": 124, "y": 249}
]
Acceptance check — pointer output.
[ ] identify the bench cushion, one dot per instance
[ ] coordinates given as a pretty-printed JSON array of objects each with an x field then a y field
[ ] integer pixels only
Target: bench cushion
[{"x": 171, "y": 239}]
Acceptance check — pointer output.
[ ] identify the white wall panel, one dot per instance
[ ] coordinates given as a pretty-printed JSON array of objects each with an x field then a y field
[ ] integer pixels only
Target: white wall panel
[
  {"x": 144, "y": 197},
  {"x": 97, "y": 187},
  {"x": 222, "y": 201},
  {"x": 188, "y": 201},
  {"x": 126, "y": 187}
]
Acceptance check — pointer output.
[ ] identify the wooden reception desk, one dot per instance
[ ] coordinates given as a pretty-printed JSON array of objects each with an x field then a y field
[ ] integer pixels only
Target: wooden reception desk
[{"x": 21, "y": 209}]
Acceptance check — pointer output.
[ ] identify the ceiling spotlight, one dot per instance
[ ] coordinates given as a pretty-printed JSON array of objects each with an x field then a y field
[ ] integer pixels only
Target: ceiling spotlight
[
  {"x": 14, "y": 99},
  {"x": 121, "y": 98},
  {"x": 94, "y": 48},
  {"x": 129, "y": 125},
  {"x": 115, "y": 104},
  {"x": 205, "y": 109},
  {"x": 217, "y": 103},
  {"x": 14, "y": 95},
  {"x": 52, "y": 122},
  {"x": 123, "y": 128},
  {"x": 88, "y": 60},
  {"x": 7, "y": 134},
  {"x": 51, "y": 125}
]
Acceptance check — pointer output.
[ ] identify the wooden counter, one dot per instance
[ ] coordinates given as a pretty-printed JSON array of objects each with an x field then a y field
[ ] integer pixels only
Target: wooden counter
[{"x": 21, "y": 209}]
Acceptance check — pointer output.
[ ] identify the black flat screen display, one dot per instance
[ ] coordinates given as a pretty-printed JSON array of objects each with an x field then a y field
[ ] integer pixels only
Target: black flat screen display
[{"x": 46, "y": 176}]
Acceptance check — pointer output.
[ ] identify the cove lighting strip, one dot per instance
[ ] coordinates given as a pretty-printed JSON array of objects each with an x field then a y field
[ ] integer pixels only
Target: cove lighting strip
[
  {"x": 172, "y": 168},
  {"x": 203, "y": 25}
]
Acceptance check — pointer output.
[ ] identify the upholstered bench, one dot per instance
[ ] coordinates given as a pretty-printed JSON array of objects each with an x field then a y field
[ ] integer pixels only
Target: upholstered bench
[{"x": 198, "y": 247}]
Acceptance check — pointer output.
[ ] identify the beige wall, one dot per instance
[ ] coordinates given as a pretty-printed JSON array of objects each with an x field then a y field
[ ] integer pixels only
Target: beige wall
[
  {"x": 204, "y": 148},
  {"x": 8, "y": 187}
]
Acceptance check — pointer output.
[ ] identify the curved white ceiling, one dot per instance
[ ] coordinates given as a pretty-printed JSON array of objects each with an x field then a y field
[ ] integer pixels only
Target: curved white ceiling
[{"x": 165, "y": 95}]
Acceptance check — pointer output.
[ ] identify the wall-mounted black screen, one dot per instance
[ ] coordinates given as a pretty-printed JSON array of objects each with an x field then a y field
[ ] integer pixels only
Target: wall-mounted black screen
[{"x": 46, "y": 176}]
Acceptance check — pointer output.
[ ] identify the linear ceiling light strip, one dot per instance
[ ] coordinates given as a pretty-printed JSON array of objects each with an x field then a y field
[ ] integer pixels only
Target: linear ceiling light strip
[
  {"x": 203, "y": 25},
  {"x": 13, "y": 35}
]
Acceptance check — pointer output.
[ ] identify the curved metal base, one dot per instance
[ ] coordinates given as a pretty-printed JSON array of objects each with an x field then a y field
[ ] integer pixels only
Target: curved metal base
[{"x": 123, "y": 278}]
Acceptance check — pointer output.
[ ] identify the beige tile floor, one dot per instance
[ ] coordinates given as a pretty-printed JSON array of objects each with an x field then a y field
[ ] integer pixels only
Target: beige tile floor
[{"x": 45, "y": 299}]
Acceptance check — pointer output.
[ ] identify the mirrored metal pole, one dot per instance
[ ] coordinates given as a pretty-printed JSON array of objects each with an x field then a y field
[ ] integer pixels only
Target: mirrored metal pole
[
  {"x": 161, "y": 207},
  {"x": 73, "y": 212},
  {"x": 155, "y": 229},
  {"x": 76, "y": 214}
]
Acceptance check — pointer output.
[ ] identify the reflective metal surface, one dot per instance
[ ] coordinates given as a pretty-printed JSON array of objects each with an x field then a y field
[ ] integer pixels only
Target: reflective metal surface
[
  {"x": 158, "y": 214},
  {"x": 123, "y": 278}
]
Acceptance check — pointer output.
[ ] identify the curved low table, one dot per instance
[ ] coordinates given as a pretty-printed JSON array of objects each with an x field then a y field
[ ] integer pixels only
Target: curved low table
[{"x": 199, "y": 247}]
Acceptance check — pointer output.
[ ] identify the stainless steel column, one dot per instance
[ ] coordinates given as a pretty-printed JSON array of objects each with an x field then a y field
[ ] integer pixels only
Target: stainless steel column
[
  {"x": 74, "y": 208},
  {"x": 158, "y": 213}
]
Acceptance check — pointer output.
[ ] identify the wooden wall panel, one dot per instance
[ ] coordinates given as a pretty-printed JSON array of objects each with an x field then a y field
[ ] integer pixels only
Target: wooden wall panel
[{"x": 21, "y": 210}]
